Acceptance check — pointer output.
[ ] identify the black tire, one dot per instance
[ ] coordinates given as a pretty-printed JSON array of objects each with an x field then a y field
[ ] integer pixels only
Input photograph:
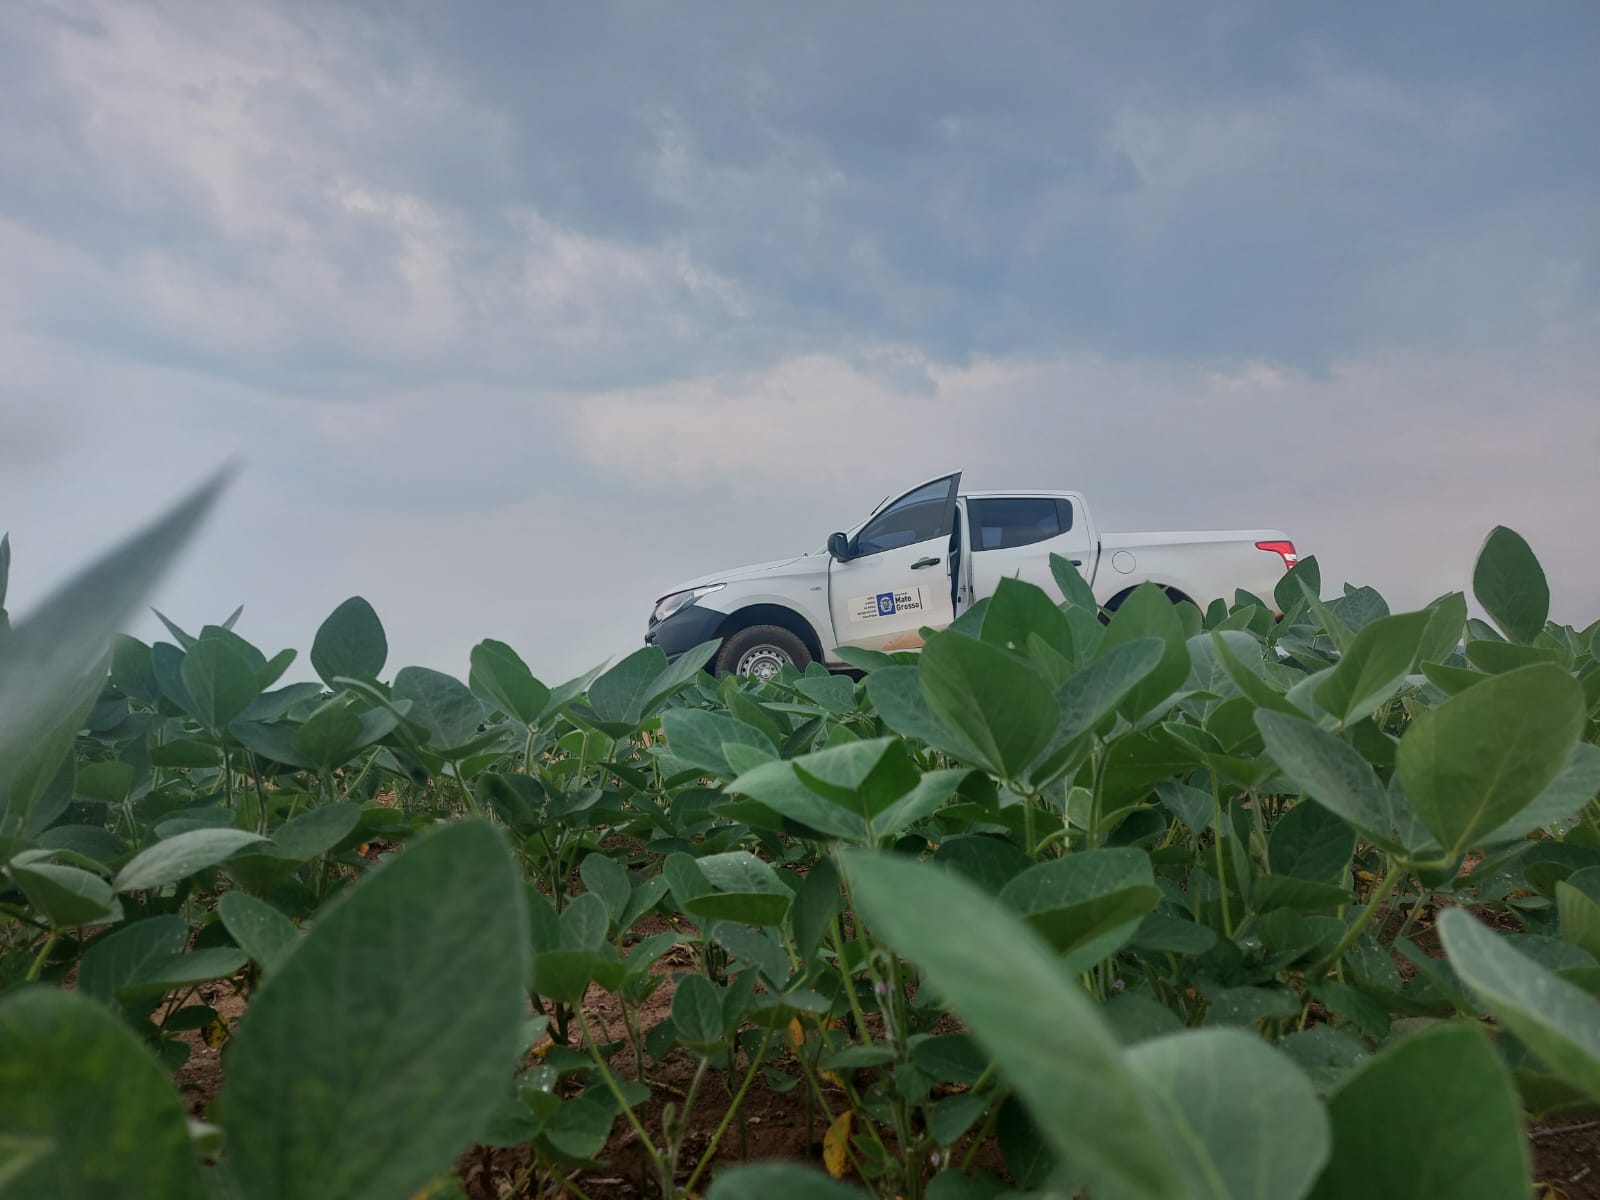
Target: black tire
[{"x": 760, "y": 648}]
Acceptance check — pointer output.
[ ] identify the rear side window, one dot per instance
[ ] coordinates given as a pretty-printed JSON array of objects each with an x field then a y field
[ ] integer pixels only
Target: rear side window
[{"x": 1000, "y": 523}]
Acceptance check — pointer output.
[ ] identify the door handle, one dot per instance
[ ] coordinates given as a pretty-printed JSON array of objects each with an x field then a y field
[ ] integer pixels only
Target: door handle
[
  {"x": 924, "y": 562},
  {"x": 1077, "y": 562}
]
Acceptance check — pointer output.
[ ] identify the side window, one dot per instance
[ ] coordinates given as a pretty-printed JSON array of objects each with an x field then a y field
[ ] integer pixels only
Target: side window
[
  {"x": 1003, "y": 522},
  {"x": 917, "y": 517}
]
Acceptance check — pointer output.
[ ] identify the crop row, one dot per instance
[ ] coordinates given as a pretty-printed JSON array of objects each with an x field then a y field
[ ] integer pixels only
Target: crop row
[{"x": 1155, "y": 904}]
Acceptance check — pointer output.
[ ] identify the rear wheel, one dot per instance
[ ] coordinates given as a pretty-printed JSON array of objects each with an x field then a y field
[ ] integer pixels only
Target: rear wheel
[{"x": 762, "y": 651}]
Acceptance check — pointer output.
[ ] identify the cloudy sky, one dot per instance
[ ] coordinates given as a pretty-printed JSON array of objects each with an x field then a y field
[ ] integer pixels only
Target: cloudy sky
[{"x": 516, "y": 315}]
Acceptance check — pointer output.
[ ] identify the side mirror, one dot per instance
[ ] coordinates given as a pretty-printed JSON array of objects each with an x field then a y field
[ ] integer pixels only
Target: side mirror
[{"x": 839, "y": 546}]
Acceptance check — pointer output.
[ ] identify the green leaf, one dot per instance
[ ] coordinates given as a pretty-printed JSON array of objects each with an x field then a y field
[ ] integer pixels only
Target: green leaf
[
  {"x": 1510, "y": 584},
  {"x": 1434, "y": 1115},
  {"x": 350, "y": 643},
  {"x": 1558, "y": 1021},
  {"x": 1075, "y": 589},
  {"x": 110, "y": 1124},
  {"x": 1019, "y": 610},
  {"x": 1041, "y": 1027},
  {"x": 67, "y": 896},
  {"x": 1328, "y": 771},
  {"x": 1311, "y": 842},
  {"x": 1563, "y": 799},
  {"x": 1093, "y": 693},
  {"x": 180, "y": 856},
  {"x": 748, "y": 890},
  {"x": 1447, "y": 619},
  {"x": 1083, "y": 896},
  {"x": 53, "y": 667},
  {"x": 618, "y": 696},
  {"x": 1287, "y": 593},
  {"x": 1580, "y": 916},
  {"x": 605, "y": 878},
  {"x": 442, "y": 705},
  {"x": 1238, "y": 1114},
  {"x": 697, "y": 736},
  {"x": 1148, "y": 613},
  {"x": 896, "y": 692},
  {"x": 182, "y": 970},
  {"x": 778, "y": 1181},
  {"x": 1377, "y": 662},
  {"x": 1479, "y": 759},
  {"x": 996, "y": 702},
  {"x": 326, "y": 1100},
  {"x": 501, "y": 678},
  {"x": 258, "y": 929},
  {"x": 697, "y": 1013},
  {"x": 118, "y": 958},
  {"x": 221, "y": 679}
]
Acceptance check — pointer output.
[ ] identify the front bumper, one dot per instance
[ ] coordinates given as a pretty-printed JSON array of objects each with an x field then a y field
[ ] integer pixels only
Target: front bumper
[{"x": 685, "y": 629}]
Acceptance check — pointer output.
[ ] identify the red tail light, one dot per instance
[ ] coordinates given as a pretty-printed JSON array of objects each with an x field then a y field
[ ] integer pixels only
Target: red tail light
[{"x": 1284, "y": 550}]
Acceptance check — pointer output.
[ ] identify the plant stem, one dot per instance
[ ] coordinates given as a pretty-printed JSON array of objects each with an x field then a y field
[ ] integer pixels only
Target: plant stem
[
  {"x": 627, "y": 1109},
  {"x": 711, "y": 1147},
  {"x": 1379, "y": 895},
  {"x": 44, "y": 953}
]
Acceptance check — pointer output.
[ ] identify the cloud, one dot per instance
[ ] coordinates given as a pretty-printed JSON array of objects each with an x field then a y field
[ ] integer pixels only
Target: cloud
[{"x": 517, "y": 316}]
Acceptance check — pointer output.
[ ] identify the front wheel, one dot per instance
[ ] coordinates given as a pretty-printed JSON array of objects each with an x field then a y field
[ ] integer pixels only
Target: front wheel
[{"x": 762, "y": 651}]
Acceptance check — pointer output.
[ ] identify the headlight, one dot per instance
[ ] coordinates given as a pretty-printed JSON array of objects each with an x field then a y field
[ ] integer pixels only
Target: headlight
[{"x": 678, "y": 601}]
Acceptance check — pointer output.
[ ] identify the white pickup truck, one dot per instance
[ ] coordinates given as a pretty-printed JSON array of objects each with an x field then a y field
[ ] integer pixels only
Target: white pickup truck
[{"x": 923, "y": 557}]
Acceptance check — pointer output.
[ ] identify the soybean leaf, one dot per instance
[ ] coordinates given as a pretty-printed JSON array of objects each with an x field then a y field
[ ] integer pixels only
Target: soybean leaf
[
  {"x": 52, "y": 666},
  {"x": 222, "y": 680},
  {"x": 323, "y": 1100},
  {"x": 501, "y": 678},
  {"x": 1311, "y": 842},
  {"x": 442, "y": 705},
  {"x": 697, "y": 736},
  {"x": 258, "y": 929},
  {"x": 1039, "y": 1025},
  {"x": 697, "y": 1013},
  {"x": 1077, "y": 898},
  {"x": 102, "y": 1114},
  {"x": 1328, "y": 771},
  {"x": 1075, "y": 589},
  {"x": 1376, "y": 663},
  {"x": 115, "y": 960},
  {"x": 350, "y": 643},
  {"x": 896, "y": 692},
  {"x": 1563, "y": 798},
  {"x": 1580, "y": 916},
  {"x": 1237, "y": 1113},
  {"x": 998, "y": 703},
  {"x": 1091, "y": 694},
  {"x": 1510, "y": 584},
  {"x": 1479, "y": 759},
  {"x": 779, "y": 1181},
  {"x": 1451, "y": 1124},
  {"x": 1019, "y": 610},
  {"x": 1148, "y": 613},
  {"x": 1557, "y": 1020},
  {"x": 605, "y": 877},
  {"x": 67, "y": 896},
  {"x": 180, "y": 856}
]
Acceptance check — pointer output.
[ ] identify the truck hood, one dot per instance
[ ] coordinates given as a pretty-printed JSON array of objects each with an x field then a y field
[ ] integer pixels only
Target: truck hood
[{"x": 798, "y": 565}]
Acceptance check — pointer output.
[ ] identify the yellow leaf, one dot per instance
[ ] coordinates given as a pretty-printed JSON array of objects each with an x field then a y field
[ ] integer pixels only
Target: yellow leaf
[
  {"x": 541, "y": 1050},
  {"x": 831, "y": 1077},
  {"x": 836, "y": 1145},
  {"x": 215, "y": 1034},
  {"x": 797, "y": 1035}
]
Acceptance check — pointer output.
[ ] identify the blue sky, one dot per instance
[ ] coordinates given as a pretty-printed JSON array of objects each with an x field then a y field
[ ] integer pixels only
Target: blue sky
[{"x": 516, "y": 315}]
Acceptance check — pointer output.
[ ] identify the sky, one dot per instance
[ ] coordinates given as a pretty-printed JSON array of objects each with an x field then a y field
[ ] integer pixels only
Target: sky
[{"x": 514, "y": 316}]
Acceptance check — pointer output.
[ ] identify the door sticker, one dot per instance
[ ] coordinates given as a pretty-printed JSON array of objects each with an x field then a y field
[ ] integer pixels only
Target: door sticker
[{"x": 886, "y": 604}]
